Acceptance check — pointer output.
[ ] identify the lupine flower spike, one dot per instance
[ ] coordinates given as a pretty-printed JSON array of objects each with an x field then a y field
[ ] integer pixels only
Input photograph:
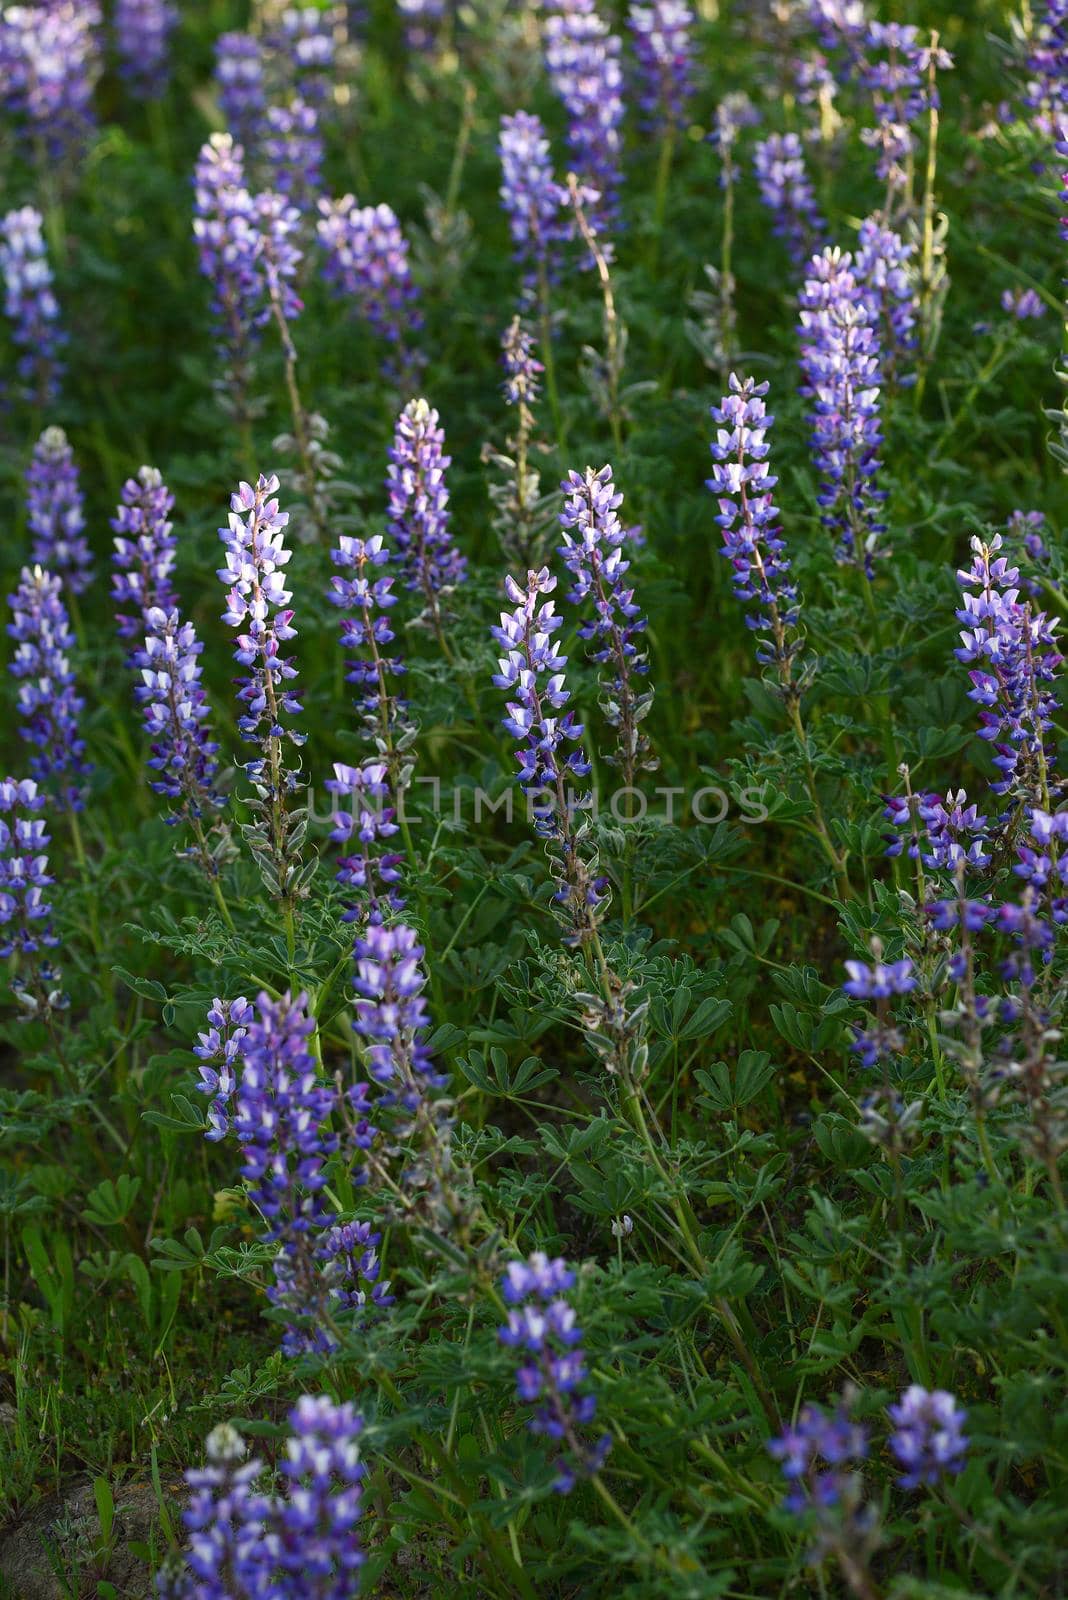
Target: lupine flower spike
[
  {"x": 595, "y": 551},
  {"x": 30, "y": 304},
  {"x": 521, "y": 515},
  {"x": 583, "y": 59},
  {"x": 928, "y": 1438},
  {"x": 48, "y": 702},
  {"x": 365, "y": 260},
  {"x": 258, "y": 602},
  {"x": 25, "y": 910},
  {"x": 143, "y": 31},
  {"x": 419, "y": 511},
  {"x": 56, "y": 512}
]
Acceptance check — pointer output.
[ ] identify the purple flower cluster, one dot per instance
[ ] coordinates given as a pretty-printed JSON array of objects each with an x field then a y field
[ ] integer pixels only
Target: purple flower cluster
[
  {"x": 808, "y": 1447},
  {"x": 595, "y": 542},
  {"x": 239, "y": 76},
  {"x": 533, "y": 201},
  {"x": 219, "y": 1049},
  {"x": 749, "y": 517},
  {"x": 25, "y": 913},
  {"x": 787, "y": 191},
  {"x": 49, "y": 64},
  {"x": 928, "y": 1438},
  {"x": 366, "y": 261},
  {"x": 419, "y": 508},
  {"x": 305, "y": 44},
  {"x": 1016, "y": 658},
  {"x": 663, "y": 43},
  {"x": 143, "y": 31},
  {"x": 293, "y": 152},
  {"x": 840, "y": 363},
  {"x": 55, "y": 512},
  {"x": 176, "y": 712},
  {"x": 879, "y": 983},
  {"x": 1023, "y": 304},
  {"x": 1047, "y": 67},
  {"x": 583, "y": 60},
  {"x": 145, "y": 546},
  {"x": 299, "y": 1545},
  {"x": 423, "y": 21},
  {"x": 881, "y": 264},
  {"x": 225, "y": 233},
  {"x": 30, "y": 304},
  {"x": 543, "y": 1330},
  {"x": 258, "y": 601},
  {"x": 391, "y": 1011},
  {"x": 48, "y": 702}
]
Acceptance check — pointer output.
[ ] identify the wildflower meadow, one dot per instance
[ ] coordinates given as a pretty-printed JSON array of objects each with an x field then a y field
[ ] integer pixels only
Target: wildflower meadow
[{"x": 533, "y": 815}]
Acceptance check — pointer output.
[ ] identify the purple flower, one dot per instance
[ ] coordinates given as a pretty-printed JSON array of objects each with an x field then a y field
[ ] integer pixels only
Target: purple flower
[
  {"x": 48, "y": 702},
  {"x": 881, "y": 265},
  {"x": 748, "y": 517},
  {"x": 543, "y": 1330},
  {"x": 349, "y": 1256},
  {"x": 30, "y": 304},
  {"x": 1023, "y": 304},
  {"x": 319, "y": 1552},
  {"x": 304, "y": 44},
  {"x": 663, "y": 43},
  {"x": 293, "y": 151},
  {"x": 787, "y": 191},
  {"x": 219, "y": 1050},
  {"x": 811, "y": 1444},
  {"x": 391, "y": 1011},
  {"x": 50, "y": 55},
  {"x": 880, "y": 981},
  {"x": 928, "y": 1440},
  {"x": 226, "y": 1518},
  {"x": 225, "y": 230},
  {"x": 419, "y": 508},
  {"x": 55, "y": 511},
  {"x": 145, "y": 547},
  {"x": 1016, "y": 656},
  {"x": 25, "y": 912},
  {"x": 366, "y": 261},
  {"x": 363, "y": 821},
  {"x": 583, "y": 60},
  {"x": 143, "y": 31},
  {"x": 422, "y": 22},
  {"x": 842, "y": 380},
  {"x": 239, "y": 75},
  {"x": 533, "y": 201},
  {"x": 1047, "y": 66},
  {"x": 595, "y": 542},
  {"x": 176, "y": 712},
  {"x": 258, "y": 600}
]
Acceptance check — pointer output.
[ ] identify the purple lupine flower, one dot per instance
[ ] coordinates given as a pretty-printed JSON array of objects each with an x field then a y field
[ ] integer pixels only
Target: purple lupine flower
[
  {"x": 881, "y": 265},
  {"x": 1047, "y": 65},
  {"x": 304, "y": 43},
  {"x": 219, "y": 1049},
  {"x": 363, "y": 821},
  {"x": 928, "y": 1438},
  {"x": 820, "y": 1455},
  {"x": 145, "y": 546},
  {"x": 51, "y": 61},
  {"x": 55, "y": 512},
  {"x": 550, "y": 750},
  {"x": 522, "y": 516},
  {"x": 787, "y": 191},
  {"x": 891, "y": 64},
  {"x": 239, "y": 76},
  {"x": 663, "y": 43},
  {"x": 533, "y": 201},
  {"x": 349, "y": 1256},
  {"x": 521, "y": 367},
  {"x": 143, "y": 31},
  {"x": 419, "y": 508},
  {"x": 1016, "y": 656},
  {"x": 749, "y": 518},
  {"x": 595, "y": 542},
  {"x": 543, "y": 1329},
  {"x": 226, "y": 1517},
  {"x": 391, "y": 1014},
  {"x": 277, "y": 226},
  {"x": 366, "y": 262},
  {"x": 25, "y": 913},
  {"x": 30, "y": 304},
  {"x": 880, "y": 983},
  {"x": 842, "y": 377},
  {"x": 583, "y": 60},
  {"x": 48, "y": 702},
  {"x": 423, "y": 21},
  {"x": 293, "y": 152},
  {"x": 258, "y": 600},
  {"x": 318, "y": 1550},
  {"x": 1023, "y": 304},
  {"x": 224, "y": 227},
  {"x": 176, "y": 712}
]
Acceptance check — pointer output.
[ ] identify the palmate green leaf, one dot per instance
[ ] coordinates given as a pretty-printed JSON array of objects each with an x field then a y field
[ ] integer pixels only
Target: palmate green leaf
[
  {"x": 110, "y": 1203},
  {"x": 492, "y": 1073}
]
